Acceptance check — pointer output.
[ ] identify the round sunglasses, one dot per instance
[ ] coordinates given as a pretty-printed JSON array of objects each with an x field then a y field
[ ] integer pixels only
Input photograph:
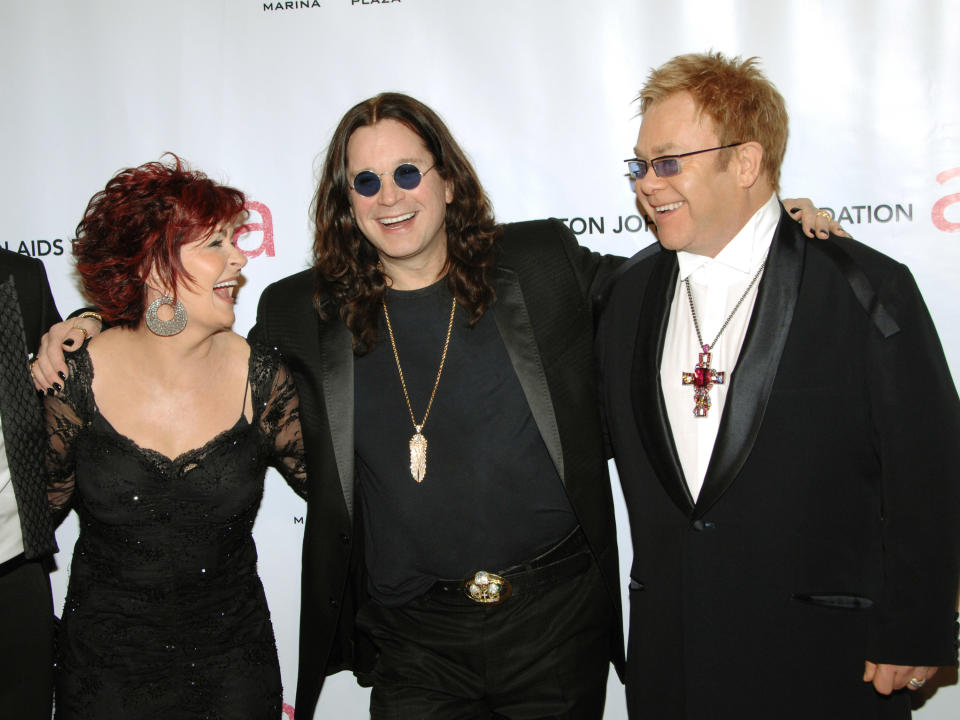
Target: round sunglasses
[{"x": 406, "y": 177}]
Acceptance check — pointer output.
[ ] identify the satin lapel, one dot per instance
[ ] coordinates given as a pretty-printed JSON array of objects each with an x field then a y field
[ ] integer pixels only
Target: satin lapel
[
  {"x": 649, "y": 408},
  {"x": 516, "y": 330},
  {"x": 336, "y": 366},
  {"x": 756, "y": 369}
]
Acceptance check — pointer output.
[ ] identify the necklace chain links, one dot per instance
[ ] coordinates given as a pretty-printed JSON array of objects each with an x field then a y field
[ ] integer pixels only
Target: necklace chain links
[
  {"x": 693, "y": 310},
  {"x": 418, "y": 443}
]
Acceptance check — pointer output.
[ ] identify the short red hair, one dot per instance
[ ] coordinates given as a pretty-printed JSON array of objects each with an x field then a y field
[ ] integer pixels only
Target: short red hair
[{"x": 139, "y": 222}]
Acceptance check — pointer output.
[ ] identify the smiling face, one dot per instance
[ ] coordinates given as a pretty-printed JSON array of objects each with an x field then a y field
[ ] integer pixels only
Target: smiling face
[
  {"x": 214, "y": 262},
  {"x": 405, "y": 226},
  {"x": 701, "y": 208}
]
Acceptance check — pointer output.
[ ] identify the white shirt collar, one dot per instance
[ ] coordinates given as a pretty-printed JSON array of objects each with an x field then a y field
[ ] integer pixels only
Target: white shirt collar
[{"x": 746, "y": 250}]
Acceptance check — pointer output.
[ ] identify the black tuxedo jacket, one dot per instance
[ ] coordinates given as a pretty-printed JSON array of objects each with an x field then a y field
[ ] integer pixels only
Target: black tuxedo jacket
[
  {"x": 27, "y": 310},
  {"x": 826, "y": 531},
  {"x": 543, "y": 283}
]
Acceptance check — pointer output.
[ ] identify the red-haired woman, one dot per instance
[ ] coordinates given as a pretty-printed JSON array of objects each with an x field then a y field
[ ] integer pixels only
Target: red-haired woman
[{"x": 160, "y": 439}]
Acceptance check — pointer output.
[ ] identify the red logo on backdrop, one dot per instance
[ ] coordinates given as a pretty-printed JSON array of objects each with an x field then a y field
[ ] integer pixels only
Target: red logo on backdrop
[
  {"x": 265, "y": 226},
  {"x": 939, "y": 212},
  {"x": 288, "y": 711}
]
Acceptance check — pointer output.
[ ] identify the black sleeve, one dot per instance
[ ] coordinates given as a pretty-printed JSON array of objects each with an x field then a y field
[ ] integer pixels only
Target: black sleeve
[{"x": 916, "y": 421}]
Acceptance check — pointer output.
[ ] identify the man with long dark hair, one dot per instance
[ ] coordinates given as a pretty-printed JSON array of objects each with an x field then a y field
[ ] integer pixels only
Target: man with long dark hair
[{"x": 445, "y": 369}]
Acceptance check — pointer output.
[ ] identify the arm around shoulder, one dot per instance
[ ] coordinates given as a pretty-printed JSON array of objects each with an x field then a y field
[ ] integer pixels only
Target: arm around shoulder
[{"x": 592, "y": 268}]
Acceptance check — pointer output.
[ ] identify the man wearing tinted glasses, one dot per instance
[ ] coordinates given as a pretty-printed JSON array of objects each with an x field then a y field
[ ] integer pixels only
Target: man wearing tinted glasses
[
  {"x": 447, "y": 397},
  {"x": 785, "y": 429}
]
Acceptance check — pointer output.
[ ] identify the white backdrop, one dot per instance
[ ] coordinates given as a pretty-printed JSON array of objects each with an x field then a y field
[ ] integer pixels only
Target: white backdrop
[{"x": 539, "y": 93}]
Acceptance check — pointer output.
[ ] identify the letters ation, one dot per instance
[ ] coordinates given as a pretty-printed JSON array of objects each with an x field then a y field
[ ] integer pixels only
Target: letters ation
[
  {"x": 939, "y": 212},
  {"x": 859, "y": 214}
]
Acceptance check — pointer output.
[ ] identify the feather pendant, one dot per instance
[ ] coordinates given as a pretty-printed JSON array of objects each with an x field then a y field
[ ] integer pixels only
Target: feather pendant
[{"x": 418, "y": 456}]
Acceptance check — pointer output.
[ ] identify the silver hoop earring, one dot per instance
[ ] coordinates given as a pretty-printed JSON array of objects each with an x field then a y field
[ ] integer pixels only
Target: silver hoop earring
[{"x": 165, "y": 328}]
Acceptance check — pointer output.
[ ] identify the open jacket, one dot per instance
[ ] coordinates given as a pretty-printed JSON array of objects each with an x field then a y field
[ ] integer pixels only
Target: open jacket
[
  {"x": 543, "y": 283},
  {"x": 827, "y": 530}
]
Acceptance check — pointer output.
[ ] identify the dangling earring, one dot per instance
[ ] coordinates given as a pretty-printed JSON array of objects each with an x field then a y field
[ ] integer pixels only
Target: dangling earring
[{"x": 165, "y": 328}]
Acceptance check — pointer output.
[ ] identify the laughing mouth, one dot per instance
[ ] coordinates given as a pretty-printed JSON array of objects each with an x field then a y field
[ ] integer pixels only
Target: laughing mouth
[
  {"x": 230, "y": 285},
  {"x": 667, "y": 208},
  {"x": 397, "y": 219}
]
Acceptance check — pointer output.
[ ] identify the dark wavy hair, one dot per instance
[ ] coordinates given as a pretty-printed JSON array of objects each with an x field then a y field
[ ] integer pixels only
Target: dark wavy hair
[
  {"x": 349, "y": 283},
  {"x": 139, "y": 222}
]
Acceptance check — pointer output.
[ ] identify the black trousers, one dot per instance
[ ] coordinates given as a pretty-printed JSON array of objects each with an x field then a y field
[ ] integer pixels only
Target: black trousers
[
  {"x": 26, "y": 640},
  {"x": 539, "y": 654}
]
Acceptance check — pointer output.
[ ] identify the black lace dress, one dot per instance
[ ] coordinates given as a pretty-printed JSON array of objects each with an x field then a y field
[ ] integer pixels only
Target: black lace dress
[{"x": 165, "y": 615}]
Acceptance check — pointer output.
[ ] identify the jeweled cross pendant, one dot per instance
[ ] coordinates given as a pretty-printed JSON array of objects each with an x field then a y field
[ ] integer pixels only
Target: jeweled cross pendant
[{"x": 703, "y": 378}]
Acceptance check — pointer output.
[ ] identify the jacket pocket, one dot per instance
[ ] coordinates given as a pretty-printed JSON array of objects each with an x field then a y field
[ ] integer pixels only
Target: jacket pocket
[{"x": 835, "y": 600}]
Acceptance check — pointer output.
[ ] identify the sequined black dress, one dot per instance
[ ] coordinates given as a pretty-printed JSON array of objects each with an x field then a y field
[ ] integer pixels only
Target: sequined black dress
[{"x": 165, "y": 615}]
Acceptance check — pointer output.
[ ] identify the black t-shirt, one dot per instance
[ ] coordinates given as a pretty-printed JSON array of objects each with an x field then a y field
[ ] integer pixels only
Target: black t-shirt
[{"x": 491, "y": 496}]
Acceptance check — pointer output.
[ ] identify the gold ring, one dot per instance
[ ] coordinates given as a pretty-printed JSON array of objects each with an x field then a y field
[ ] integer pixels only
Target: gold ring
[
  {"x": 824, "y": 213},
  {"x": 33, "y": 364},
  {"x": 916, "y": 684},
  {"x": 84, "y": 331}
]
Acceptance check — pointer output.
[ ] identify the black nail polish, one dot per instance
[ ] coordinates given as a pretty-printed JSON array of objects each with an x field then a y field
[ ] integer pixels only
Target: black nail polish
[
  {"x": 58, "y": 387},
  {"x": 50, "y": 391},
  {"x": 61, "y": 374}
]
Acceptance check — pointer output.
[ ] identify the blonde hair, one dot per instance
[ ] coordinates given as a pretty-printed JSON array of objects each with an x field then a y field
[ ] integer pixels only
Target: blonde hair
[{"x": 743, "y": 104}]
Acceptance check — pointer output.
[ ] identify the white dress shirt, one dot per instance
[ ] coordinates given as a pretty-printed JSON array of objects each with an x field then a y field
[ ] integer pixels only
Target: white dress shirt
[{"x": 717, "y": 284}]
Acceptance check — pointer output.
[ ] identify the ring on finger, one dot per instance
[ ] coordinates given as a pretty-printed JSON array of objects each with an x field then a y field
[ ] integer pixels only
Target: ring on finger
[
  {"x": 824, "y": 213},
  {"x": 84, "y": 331},
  {"x": 916, "y": 683}
]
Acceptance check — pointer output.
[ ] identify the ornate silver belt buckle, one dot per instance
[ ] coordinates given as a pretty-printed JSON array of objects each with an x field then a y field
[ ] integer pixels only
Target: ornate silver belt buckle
[{"x": 488, "y": 589}]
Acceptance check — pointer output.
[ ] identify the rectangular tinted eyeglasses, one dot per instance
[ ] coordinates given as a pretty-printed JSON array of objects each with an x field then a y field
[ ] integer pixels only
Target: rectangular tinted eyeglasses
[{"x": 665, "y": 165}]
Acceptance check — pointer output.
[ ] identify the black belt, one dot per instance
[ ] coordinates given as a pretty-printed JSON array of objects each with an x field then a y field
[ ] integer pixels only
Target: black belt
[{"x": 566, "y": 560}]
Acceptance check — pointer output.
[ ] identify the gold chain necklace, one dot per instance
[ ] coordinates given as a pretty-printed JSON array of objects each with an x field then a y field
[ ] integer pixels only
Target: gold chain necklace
[{"x": 418, "y": 443}]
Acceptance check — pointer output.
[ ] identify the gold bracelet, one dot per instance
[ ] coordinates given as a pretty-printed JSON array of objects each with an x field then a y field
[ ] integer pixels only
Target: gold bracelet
[{"x": 90, "y": 314}]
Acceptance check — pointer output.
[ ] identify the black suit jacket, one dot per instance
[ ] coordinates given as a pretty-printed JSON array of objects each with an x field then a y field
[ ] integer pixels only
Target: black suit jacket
[
  {"x": 826, "y": 531},
  {"x": 27, "y": 310},
  {"x": 543, "y": 283}
]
